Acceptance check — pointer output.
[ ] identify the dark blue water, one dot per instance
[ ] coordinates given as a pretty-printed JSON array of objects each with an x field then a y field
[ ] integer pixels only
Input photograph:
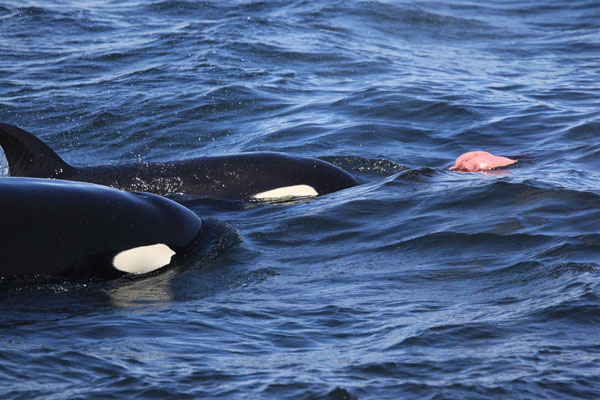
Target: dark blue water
[{"x": 419, "y": 283}]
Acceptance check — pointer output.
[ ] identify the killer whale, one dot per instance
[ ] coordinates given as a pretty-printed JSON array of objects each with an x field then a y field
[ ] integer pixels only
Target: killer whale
[
  {"x": 55, "y": 230},
  {"x": 246, "y": 176}
]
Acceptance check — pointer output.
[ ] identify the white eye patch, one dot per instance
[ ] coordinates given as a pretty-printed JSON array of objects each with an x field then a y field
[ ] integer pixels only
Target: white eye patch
[
  {"x": 287, "y": 191},
  {"x": 143, "y": 259}
]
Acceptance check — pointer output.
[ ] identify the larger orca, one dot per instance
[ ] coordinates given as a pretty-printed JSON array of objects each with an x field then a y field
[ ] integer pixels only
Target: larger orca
[
  {"x": 249, "y": 176},
  {"x": 54, "y": 230}
]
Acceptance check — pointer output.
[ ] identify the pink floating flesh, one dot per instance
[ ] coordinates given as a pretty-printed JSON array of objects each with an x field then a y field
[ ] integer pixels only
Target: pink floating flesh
[{"x": 474, "y": 161}]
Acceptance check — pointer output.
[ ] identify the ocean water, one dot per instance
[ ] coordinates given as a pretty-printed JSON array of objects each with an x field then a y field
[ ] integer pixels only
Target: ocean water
[{"x": 419, "y": 283}]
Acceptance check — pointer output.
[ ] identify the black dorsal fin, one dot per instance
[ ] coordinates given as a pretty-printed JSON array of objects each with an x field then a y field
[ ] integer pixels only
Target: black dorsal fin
[{"x": 29, "y": 156}]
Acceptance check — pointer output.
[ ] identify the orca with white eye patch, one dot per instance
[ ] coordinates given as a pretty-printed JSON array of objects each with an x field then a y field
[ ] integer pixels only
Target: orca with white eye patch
[
  {"x": 246, "y": 176},
  {"x": 54, "y": 230}
]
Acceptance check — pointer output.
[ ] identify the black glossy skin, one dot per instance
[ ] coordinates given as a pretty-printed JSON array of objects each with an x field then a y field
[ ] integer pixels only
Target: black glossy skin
[
  {"x": 237, "y": 177},
  {"x": 59, "y": 229}
]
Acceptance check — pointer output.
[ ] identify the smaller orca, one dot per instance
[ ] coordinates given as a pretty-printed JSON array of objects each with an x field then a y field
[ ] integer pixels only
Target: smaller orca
[
  {"x": 247, "y": 176},
  {"x": 53, "y": 230}
]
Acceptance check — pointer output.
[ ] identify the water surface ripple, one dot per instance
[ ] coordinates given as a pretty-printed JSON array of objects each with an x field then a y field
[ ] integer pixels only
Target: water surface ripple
[{"x": 418, "y": 283}]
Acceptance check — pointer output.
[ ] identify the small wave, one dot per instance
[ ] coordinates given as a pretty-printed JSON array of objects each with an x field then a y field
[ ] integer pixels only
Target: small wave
[
  {"x": 338, "y": 393},
  {"x": 379, "y": 103},
  {"x": 577, "y": 303},
  {"x": 180, "y": 7},
  {"x": 585, "y": 131},
  {"x": 526, "y": 271},
  {"x": 416, "y": 21}
]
